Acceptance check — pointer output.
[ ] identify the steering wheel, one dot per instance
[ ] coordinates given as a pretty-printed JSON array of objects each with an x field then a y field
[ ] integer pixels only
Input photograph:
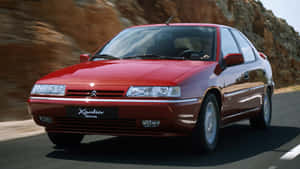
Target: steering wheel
[
  {"x": 185, "y": 52},
  {"x": 193, "y": 55}
]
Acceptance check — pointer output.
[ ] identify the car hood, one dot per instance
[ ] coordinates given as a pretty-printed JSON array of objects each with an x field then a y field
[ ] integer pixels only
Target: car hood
[{"x": 126, "y": 72}]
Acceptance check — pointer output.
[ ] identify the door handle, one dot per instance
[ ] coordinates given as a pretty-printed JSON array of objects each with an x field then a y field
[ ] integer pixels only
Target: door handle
[{"x": 246, "y": 75}]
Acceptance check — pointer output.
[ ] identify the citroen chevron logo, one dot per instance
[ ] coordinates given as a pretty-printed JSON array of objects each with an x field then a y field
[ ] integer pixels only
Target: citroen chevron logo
[{"x": 93, "y": 93}]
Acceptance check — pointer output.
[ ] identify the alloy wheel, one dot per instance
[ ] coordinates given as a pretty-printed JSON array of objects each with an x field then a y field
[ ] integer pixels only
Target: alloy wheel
[
  {"x": 267, "y": 109},
  {"x": 210, "y": 123}
]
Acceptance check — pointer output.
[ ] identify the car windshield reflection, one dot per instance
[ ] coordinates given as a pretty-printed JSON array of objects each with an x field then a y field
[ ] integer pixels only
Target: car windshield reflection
[{"x": 172, "y": 42}]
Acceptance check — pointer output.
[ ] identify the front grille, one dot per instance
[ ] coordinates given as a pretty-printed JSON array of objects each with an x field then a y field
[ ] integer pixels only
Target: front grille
[
  {"x": 93, "y": 125},
  {"x": 98, "y": 126},
  {"x": 99, "y": 93}
]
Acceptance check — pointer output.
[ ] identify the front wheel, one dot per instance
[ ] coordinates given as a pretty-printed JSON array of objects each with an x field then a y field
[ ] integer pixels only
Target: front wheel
[
  {"x": 206, "y": 132},
  {"x": 263, "y": 119},
  {"x": 65, "y": 139}
]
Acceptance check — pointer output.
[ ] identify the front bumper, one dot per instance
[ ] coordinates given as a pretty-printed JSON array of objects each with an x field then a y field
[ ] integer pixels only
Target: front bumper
[{"x": 177, "y": 117}]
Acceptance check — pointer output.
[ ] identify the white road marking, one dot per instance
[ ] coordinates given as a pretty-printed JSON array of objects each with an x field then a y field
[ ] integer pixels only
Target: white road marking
[
  {"x": 272, "y": 167},
  {"x": 293, "y": 153}
]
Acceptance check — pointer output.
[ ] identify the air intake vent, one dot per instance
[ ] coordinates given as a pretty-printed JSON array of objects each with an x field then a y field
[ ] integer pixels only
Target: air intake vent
[{"x": 95, "y": 93}]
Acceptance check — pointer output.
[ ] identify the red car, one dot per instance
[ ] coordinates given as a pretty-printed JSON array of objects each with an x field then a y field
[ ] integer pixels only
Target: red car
[{"x": 158, "y": 80}]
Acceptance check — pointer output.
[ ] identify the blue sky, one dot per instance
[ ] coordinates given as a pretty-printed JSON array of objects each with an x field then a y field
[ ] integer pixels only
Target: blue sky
[{"x": 286, "y": 9}]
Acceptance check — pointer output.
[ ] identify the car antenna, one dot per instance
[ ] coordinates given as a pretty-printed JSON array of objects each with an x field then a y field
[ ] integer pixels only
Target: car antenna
[{"x": 169, "y": 20}]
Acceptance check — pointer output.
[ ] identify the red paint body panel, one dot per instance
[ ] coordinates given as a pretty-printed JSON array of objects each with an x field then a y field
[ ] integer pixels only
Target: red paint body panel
[
  {"x": 120, "y": 72},
  {"x": 236, "y": 93}
]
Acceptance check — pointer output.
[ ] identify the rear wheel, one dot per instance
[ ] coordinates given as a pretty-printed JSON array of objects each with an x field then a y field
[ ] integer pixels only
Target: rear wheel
[
  {"x": 205, "y": 134},
  {"x": 65, "y": 139},
  {"x": 263, "y": 119}
]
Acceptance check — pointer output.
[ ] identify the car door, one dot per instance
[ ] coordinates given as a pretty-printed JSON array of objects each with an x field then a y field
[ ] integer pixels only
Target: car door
[
  {"x": 254, "y": 72},
  {"x": 234, "y": 78}
]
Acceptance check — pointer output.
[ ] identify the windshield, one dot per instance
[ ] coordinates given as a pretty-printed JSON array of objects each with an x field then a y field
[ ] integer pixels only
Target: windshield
[{"x": 162, "y": 42}]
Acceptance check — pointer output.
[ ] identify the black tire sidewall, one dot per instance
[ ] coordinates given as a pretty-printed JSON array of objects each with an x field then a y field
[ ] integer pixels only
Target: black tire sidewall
[
  {"x": 199, "y": 132},
  {"x": 267, "y": 124},
  {"x": 258, "y": 121}
]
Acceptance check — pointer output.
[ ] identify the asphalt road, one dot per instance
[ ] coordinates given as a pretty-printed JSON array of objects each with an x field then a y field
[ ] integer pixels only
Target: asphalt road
[{"x": 241, "y": 147}]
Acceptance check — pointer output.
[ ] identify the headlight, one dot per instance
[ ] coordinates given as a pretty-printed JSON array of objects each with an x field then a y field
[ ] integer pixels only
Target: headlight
[
  {"x": 156, "y": 91},
  {"x": 43, "y": 89}
]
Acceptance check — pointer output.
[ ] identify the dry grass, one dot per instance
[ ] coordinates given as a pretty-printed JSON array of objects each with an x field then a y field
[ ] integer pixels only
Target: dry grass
[{"x": 287, "y": 89}]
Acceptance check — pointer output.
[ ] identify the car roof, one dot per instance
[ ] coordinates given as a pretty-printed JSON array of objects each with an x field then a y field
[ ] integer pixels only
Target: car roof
[{"x": 184, "y": 24}]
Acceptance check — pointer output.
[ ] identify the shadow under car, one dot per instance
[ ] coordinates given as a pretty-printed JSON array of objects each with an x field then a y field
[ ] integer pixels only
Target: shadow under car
[{"x": 237, "y": 142}]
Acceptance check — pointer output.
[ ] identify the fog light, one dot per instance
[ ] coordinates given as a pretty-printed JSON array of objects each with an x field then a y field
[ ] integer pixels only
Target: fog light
[
  {"x": 150, "y": 123},
  {"x": 45, "y": 119}
]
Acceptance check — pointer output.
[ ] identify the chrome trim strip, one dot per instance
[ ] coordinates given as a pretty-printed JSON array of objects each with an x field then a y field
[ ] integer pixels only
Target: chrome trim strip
[
  {"x": 114, "y": 100},
  {"x": 186, "y": 115},
  {"x": 257, "y": 87},
  {"x": 251, "y": 98},
  {"x": 242, "y": 91},
  {"x": 188, "y": 121},
  {"x": 241, "y": 113},
  {"x": 236, "y": 92}
]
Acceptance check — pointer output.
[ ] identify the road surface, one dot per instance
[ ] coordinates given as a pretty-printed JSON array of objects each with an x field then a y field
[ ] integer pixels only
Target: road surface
[{"x": 241, "y": 147}]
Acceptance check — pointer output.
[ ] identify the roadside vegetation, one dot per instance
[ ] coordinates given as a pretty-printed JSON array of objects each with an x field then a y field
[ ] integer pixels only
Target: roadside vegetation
[{"x": 287, "y": 89}]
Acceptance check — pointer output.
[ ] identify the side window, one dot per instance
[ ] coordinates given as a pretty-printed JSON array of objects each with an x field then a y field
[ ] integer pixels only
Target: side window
[
  {"x": 253, "y": 47},
  {"x": 228, "y": 44},
  {"x": 245, "y": 47}
]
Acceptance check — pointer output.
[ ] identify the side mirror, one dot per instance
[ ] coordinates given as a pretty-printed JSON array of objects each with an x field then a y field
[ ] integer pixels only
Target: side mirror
[
  {"x": 84, "y": 58},
  {"x": 234, "y": 59},
  {"x": 262, "y": 55}
]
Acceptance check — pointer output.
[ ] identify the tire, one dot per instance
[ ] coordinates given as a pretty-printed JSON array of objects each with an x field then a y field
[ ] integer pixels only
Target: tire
[
  {"x": 65, "y": 139},
  {"x": 263, "y": 119},
  {"x": 206, "y": 132}
]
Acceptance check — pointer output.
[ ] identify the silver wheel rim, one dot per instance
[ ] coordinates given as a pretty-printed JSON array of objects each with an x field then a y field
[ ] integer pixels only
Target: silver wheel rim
[
  {"x": 267, "y": 109},
  {"x": 210, "y": 123}
]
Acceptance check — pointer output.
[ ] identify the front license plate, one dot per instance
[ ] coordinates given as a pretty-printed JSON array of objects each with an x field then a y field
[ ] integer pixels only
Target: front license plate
[{"x": 93, "y": 112}]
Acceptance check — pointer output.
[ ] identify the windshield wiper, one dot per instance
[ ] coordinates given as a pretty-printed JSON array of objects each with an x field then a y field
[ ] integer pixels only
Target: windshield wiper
[
  {"x": 105, "y": 56},
  {"x": 151, "y": 56}
]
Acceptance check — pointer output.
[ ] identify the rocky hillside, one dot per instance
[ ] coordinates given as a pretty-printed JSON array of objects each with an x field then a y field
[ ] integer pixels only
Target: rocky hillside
[{"x": 40, "y": 36}]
